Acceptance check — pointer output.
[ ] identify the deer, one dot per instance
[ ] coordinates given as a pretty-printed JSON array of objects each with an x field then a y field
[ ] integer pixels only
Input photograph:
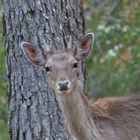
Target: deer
[{"x": 108, "y": 118}]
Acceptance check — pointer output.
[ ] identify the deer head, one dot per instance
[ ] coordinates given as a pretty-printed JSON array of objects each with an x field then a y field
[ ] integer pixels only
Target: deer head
[{"x": 62, "y": 66}]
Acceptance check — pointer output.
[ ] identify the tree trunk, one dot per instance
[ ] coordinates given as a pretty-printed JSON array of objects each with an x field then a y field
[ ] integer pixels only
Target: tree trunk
[{"x": 34, "y": 113}]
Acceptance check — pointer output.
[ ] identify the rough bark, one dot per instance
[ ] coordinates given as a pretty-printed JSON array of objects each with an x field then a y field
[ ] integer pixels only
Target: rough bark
[{"x": 34, "y": 113}]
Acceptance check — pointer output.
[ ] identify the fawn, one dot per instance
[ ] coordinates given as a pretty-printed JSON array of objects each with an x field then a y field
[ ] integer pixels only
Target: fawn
[{"x": 113, "y": 118}]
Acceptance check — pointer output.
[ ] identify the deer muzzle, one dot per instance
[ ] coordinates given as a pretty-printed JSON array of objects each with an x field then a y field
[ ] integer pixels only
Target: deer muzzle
[{"x": 63, "y": 85}]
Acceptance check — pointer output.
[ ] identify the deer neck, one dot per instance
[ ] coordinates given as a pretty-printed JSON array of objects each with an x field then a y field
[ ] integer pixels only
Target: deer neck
[{"x": 76, "y": 112}]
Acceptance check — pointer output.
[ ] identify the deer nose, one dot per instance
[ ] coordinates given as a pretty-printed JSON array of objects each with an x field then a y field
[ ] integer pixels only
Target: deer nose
[{"x": 63, "y": 85}]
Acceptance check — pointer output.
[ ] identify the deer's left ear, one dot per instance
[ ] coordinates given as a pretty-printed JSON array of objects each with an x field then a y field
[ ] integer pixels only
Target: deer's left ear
[
  {"x": 84, "y": 47},
  {"x": 33, "y": 53}
]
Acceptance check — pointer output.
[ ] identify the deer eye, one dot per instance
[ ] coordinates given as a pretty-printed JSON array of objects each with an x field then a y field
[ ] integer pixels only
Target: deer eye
[
  {"x": 47, "y": 69},
  {"x": 75, "y": 65}
]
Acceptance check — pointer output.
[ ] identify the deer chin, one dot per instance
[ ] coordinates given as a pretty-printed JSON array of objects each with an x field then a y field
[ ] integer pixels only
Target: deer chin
[{"x": 64, "y": 92}]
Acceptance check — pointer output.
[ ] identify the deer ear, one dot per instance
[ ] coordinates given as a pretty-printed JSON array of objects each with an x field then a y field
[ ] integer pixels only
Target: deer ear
[
  {"x": 84, "y": 48},
  {"x": 33, "y": 54}
]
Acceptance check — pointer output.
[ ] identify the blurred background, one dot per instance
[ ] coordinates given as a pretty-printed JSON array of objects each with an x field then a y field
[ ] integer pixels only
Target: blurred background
[{"x": 113, "y": 68}]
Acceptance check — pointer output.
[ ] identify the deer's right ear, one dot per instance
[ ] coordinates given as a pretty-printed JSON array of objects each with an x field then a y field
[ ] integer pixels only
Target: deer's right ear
[
  {"x": 84, "y": 47},
  {"x": 33, "y": 54}
]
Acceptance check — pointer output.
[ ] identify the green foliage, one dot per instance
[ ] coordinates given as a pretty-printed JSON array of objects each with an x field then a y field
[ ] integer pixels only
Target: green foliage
[
  {"x": 3, "y": 102},
  {"x": 114, "y": 64}
]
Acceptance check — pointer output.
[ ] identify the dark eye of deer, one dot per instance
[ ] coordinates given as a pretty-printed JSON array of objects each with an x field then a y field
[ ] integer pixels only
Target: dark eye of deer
[
  {"x": 47, "y": 69},
  {"x": 75, "y": 65}
]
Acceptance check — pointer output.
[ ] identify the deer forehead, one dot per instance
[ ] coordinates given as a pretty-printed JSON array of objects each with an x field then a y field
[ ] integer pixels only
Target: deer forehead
[{"x": 60, "y": 59}]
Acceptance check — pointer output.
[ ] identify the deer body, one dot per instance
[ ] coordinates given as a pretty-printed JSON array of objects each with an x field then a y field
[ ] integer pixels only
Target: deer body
[{"x": 106, "y": 119}]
